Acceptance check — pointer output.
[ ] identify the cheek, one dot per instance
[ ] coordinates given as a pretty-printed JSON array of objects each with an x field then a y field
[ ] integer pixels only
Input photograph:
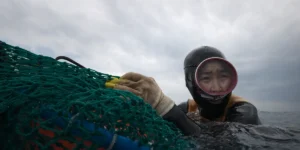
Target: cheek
[
  {"x": 204, "y": 85},
  {"x": 226, "y": 83}
]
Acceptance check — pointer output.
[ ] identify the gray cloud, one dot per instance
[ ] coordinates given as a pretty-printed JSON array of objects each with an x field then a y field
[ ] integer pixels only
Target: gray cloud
[{"x": 152, "y": 37}]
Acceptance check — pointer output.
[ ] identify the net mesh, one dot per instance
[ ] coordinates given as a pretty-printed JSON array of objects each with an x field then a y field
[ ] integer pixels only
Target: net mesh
[{"x": 47, "y": 104}]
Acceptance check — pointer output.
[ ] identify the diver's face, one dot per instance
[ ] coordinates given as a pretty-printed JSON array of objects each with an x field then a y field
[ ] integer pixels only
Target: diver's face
[{"x": 214, "y": 78}]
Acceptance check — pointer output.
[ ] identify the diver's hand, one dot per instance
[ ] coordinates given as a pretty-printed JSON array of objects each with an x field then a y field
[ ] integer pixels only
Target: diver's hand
[{"x": 147, "y": 89}]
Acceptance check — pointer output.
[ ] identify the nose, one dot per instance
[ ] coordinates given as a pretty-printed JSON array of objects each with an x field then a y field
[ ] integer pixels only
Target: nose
[{"x": 215, "y": 86}]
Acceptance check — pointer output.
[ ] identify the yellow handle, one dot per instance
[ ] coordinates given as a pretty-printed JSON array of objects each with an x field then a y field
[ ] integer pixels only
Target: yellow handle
[{"x": 112, "y": 83}]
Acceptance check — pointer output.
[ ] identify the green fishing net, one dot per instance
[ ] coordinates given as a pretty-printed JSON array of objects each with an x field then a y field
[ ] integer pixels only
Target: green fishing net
[{"x": 42, "y": 99}]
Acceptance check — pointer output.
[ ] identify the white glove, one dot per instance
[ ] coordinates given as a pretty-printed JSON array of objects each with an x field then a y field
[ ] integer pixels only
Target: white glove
[{"x": 147, "y": 89}]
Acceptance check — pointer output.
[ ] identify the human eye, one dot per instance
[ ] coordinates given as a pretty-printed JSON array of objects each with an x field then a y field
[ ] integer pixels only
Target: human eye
[
  {"x": 225, "y": 75},
  {"x": 204, "y": 78}
]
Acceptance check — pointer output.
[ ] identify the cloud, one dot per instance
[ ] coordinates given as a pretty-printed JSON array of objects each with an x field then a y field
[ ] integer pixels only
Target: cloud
[{"x": 152, "y": 37}]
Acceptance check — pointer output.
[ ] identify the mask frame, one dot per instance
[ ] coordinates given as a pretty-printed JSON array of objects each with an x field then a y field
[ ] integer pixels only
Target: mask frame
[{"x": 232, "y": 85}]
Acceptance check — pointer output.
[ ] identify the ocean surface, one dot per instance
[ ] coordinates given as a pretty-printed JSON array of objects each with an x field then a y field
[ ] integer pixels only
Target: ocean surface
[{"x": 280, "y": 131}]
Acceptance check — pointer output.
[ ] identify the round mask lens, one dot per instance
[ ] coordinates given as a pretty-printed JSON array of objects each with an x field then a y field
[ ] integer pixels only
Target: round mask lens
[{"x": 216, "y": 76}]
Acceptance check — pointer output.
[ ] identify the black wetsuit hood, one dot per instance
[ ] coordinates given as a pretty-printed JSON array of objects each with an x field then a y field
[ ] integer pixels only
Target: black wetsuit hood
[{"x": 192, "y": 60}]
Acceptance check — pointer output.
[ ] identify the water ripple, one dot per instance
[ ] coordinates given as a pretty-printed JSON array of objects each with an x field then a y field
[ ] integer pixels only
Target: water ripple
[{"x": 231, "y": 136}]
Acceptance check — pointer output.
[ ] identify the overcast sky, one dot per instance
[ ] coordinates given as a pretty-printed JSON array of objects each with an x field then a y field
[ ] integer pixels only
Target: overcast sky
[{"x": 261, "y": 38}]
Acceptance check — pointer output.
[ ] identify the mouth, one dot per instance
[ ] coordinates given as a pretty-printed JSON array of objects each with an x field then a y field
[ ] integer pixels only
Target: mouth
[{"x": 210, "y": 99}]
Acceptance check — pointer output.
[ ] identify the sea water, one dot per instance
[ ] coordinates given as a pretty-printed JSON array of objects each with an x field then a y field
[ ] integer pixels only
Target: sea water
[{"x": 280, "y": 131}]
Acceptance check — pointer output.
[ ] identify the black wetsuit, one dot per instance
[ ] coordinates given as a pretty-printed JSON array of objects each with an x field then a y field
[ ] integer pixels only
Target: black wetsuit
[{"x": 242, "y": 112}]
